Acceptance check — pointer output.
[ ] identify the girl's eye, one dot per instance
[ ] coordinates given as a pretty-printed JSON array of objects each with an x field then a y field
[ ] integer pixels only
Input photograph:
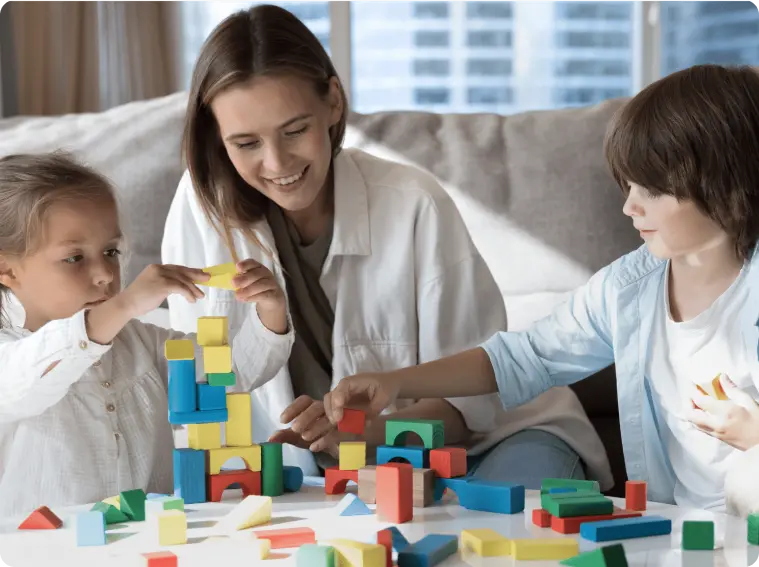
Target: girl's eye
[
  {"x": 113, "y": 252},
  {"x": 295, "y": 133},
  {"x": 248, "y": 145},
  {"x": 73, "y": 259}
]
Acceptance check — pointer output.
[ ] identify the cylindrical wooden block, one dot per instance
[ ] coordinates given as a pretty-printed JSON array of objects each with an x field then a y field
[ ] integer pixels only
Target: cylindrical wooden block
[
  {"x": 635, "y": 495},
  {"x": 272, "y": 483}
]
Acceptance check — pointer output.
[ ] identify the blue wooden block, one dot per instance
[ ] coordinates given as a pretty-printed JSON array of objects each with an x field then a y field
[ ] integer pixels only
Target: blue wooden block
[
  {"x": 417, "y": 457},
  {"x": 155, "y": 496},
  {"x": 292, "y": 477},
  {"x": 211, "y": 397},
  {"x": 399, "y": 540},
  {"x": 428, "y": 551},
  {"x": 90, "y": 528},
  {"x": 561, "y": 490},
  {"x": 182, "y": 393},
  {"x": 190, "y": 475},
  {"x": 209, "y": 416},
  {"x": 627, "y": 528},
  {"x": 442, "y": 483},
  {"x": 487, "y": 496},
  {"x": 350, "y": 505}
]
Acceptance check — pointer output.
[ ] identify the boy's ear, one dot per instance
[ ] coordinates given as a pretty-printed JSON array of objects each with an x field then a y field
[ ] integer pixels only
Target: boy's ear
[{"x": 7, "y": 276}]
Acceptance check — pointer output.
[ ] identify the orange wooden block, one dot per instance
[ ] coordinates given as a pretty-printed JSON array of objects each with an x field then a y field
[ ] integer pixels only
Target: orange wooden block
[
  {"x": 635, "y": 495},
  {"x": 41, "y": 519},
  {"x": 541, "y": 518},
  {"x": 336, "y": 480},
  {"x": 448, "y": 462},
  {"x": 395, "y": 492},
  {"x": 289, "y": 537},
  {"x": 249, "y": 481},
  {"x": 160, "y": 559},
  {"x": 385, "y": 539},
  {"x": 572, "y": 525},
  {"x": 353, "y": 421}
]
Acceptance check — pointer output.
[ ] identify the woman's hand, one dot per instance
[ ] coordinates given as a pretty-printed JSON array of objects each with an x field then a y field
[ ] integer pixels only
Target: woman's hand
[
  {"x": 256, "y": 284},
  {"x": 310, "y": 429}
]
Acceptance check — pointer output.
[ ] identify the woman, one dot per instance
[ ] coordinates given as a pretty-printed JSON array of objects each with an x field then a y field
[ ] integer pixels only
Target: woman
[{"x": 365, "y": 265}]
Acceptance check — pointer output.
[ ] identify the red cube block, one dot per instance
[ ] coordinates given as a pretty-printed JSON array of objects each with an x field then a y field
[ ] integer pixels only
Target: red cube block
[
  {"x": 448, "y": 462},
  {"x": 353, "y": 421},
  {"x": 395, "y": 492},
  {"x": 541, "y": 518},
  {"x": 160, "y": 559}
]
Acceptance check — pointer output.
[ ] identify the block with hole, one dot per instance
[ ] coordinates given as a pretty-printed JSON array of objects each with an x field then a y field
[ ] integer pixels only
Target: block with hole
[
  {"x": 485, "y": 542},
  {"x": 352, "y": 455},
  {"x": 417, "y": 457},
  {"x": 429, "y": 430},
  {"x": 213, "y": 331},
  {"x": 252, "y": 456},
  {"x": 42, "y": 518},
  {"x": 353, "y": 421},
  {"x": 336, "y": 480},
  {"x": 698, "y": 535},
  {"x": 248, "y": 481}
]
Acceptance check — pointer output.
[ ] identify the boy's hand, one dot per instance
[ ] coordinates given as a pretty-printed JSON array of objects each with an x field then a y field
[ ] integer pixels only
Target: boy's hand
[
  {"x": 256, "y": 284},
  {"x": 156, "y": 282},
  {"x": 370, "y": 392},
  {"x": 734, "y": 421}
]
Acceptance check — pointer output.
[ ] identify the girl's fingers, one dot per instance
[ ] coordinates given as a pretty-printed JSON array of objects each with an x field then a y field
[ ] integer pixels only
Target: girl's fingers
[
  {"x": 296, "y": 408},
  {"x": 258, "y": 290},
  {"x": 248, "y": 264},
  {"x": 319, "y": 428},
  {"x": 324, "y": 444},
  {"x": 248, "y": 278},
  {"x": 187, "y": 282}
]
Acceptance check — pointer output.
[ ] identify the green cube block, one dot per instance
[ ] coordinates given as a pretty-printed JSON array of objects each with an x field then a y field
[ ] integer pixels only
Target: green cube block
[
  {"x": 430, "y": 430},
  {"x": 221, "y": 379},
  {"x": 111, "y": 514},
  {"x": 571, "y": 507},
  {"x": 312, "y": 555},
  {"x": 698, "y": 535},
  {"x": 609, "y": 556},
  {"x": 580, "y": 485},
  {"x": 133, "y": 504},
  {"x": 272, "y": 481}
]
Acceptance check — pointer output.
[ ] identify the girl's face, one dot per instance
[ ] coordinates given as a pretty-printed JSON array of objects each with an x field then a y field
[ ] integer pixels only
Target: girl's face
[
  {"x": 276, "y": 133},
  {"x": 75, "y": 266}
]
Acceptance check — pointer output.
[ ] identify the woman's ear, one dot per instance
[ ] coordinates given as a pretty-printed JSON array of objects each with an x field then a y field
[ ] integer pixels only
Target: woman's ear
[
  {"x": 7, "y": 276},
  {"x": 335, "y": 100}
]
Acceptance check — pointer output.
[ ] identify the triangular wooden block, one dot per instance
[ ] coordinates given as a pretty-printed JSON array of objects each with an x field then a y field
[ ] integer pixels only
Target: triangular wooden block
[
  {"x": 252, "y": 511},
  {"x": 133, "y": 504},
  {"x": 221, "y": 276},
  {"x": 112, "y": 514},
  {"x": 41, "y": 519},
  {"x": 609, "y": 556},
  {"x": 351, "y": 505}
]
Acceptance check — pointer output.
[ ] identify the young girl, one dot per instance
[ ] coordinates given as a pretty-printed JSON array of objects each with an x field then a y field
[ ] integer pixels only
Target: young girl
[
  {"x": 83, "y": 402},
  {"x": 672, "y": 315}
]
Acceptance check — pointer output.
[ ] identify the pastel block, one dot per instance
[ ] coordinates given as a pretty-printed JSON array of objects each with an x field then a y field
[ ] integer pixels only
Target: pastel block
[
  {"x": 264, "y": 548},
  {"x": 272, "y": 483},
  {"x": 172, "y": 527},
  {"x": 213, "y": 331},
  {"x": 350, "y": 505},
  {"x": 698, "y": 536},
  {"x": 353, "y": 421},
  {"x": 358, "y": 554},
  {"x": 179, "y": 349},
  {"x": 221, "y": 276},
  {"x": 251, "y": 455},
  {"x": 160, "y": 559},
  {"x": 248, "y": 481},
  {"x": 111, "y": 514},
  {"x": 312, "y": 555},
  {"x": 183, "y": 397},
  {"x": 367, "y": 484},
  {"x": 90, "y": 529},
  {"x": 204, "y": 436},
  {"x": 571, "y": 525},
  {"x": 553, "y": 549},
  {"x": 589, "y": 485},
  {"x": 287, "y": 537},
  {"x": 221, "y": 378},
  {"x": 239, "y": 429},
  {"x": 423, "y": 487},
  {"x": 448, "y": 462},
  {"x": 609, "y": 556},
  {"x": 217, "y": 359},
  {"x": 190, "y": 475},
  {"x": 486, "y": 543},
  {"x": 163, "y": 503},
  {"x": 429, "y": 430},
  {"x": 208, "y": 416},
  {"x": 352, "y": 455},
  {"x": 114, "y": 501},
  {"x": 252, "y": 511},
  {"x": 133, "y": 504},
  {"x": 417, "y": 457},
  {"x": 292, "y": 478},
  {"x": 211, "y": 397},
  {"x": 430, "y": 550},
  {"x": 628, "y": 528},
  {"x": 487, "y": 496},
  {"x": 42, "y": 518}
]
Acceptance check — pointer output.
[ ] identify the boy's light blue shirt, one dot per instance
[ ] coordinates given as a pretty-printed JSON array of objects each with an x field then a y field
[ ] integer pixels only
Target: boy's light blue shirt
[{"x": 609, "y": 320}]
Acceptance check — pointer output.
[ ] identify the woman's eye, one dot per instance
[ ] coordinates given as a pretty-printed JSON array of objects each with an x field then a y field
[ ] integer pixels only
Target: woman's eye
[
  {"x": 298, "y": 132},
  {"x": 248, "y": 145}
]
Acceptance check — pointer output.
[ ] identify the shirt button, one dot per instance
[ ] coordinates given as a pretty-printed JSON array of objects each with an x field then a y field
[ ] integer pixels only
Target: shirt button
[
  {"x": 117, "y": 436},
  {"x": 106, "y": 384},
  {"x": 96, "y": 363},
  {"x": 83, "y": 345},
  {"x": 111, "y": 408}
]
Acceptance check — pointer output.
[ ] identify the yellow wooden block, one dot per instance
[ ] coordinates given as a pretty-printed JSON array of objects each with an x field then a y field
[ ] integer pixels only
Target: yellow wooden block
[
  {"x": 172, "y": 528},
  {"x": 357, "y": 554},
  {"x": 182, "y": 349},
  {"x": 217, "y": 457},
  {"x": 217, "y": 359},
  {"x": 252, "y": 511},
  {"x": 486, "y": 542},
  {"x": 713, "y": 388},
  {"x": 221, "y": 276},
  {"x": 264, "y": 547},
  {"x": 204, "y": 435},
  {"x": 213, "y": 331},
  {"x": 544, "y": 549},
  {"x": 114, "y": 501},
  {"x": 239, "y": 430},
  {"x": 352, "y": 455}
]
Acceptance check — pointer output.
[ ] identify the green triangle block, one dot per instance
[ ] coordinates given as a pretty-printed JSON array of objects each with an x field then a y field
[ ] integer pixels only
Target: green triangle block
[
  {"x": 133, "y": 504},
  {"x": 111, "y": 514},
  {"x": 609, "y": 556}
]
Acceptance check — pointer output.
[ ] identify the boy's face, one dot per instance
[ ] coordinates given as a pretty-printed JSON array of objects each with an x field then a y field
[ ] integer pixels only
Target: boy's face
[
  {"x": 671, "y": 228},
  {"x": 75, "y": 265}
]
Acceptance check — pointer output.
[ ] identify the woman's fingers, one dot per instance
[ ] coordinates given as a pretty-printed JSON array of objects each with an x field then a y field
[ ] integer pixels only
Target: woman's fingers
[{"x": 296, "y": 408}]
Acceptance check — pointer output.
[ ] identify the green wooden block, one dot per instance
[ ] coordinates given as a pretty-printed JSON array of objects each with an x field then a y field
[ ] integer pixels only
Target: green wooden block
[
  {"x": 312, "y": 555},
  {"x": 753, "y": 529},
  {"x": 272, "y": 482},
  {"x": 221, "y": 379},
  {"x": 583, "y": 494},
  {"x": 580, "y": 485},
  {"x": 111, "y": 514},
  {"x": 430, "y": 430},
  {"x": 698, "y": 535},
  {"x": 133, "y": 504},
  {"x": 609, "y": 556},
  {"x": 571, "y": 507}
]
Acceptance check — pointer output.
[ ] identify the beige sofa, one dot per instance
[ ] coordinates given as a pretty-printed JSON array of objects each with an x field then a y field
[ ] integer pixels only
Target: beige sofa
[{"x": 533, "y": 189}]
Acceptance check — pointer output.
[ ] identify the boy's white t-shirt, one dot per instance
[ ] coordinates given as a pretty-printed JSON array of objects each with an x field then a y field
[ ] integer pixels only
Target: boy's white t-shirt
[{"x": 682, "y": 355}]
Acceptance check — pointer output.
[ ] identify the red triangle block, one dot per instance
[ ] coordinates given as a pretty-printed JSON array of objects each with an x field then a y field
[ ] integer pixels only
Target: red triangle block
[{"x": 41, "y": 519}]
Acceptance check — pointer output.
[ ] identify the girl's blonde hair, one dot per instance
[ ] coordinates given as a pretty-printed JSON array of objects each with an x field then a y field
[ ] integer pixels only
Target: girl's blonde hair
[{"x": 29, "y": 185}]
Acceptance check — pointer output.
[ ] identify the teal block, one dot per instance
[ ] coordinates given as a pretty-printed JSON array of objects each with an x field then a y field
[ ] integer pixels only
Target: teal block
[{"x": 90, "y": 528}]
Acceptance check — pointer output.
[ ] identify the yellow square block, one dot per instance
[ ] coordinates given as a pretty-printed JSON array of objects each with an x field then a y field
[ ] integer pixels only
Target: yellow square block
[
  {"x": 352, "y": 455},
  {"x": 182, "y": 349},
  {"x": 239, "y": 430},
  {"x": 553, "y": 549},
  {"x": 357, "y": 554},
  {"x": 213, "y": 331},
  {"x": 221, "y": 276},
  {"x": 713, "y": 388},
  {"x": 486, "y": 542},
  {"x": 204, "y": 435},
  {"x": 172, "y": 528},
  {"x": 217, "y": 359},
  {"x": 217, "y": 457}
]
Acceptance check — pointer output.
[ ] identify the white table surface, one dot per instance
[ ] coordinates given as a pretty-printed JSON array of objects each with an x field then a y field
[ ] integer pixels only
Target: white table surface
[{"x": 311, "y": 507}]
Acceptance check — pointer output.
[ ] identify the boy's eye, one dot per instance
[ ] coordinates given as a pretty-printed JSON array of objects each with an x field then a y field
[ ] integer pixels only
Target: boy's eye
[
  {"x": 113, "y": 252},
  {"x": 73, "y": 259},
  {"x": 298, "y": 132}
]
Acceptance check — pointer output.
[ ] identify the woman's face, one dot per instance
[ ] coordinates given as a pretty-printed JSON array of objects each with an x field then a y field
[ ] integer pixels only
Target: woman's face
[{"x": 276, "y": 132}]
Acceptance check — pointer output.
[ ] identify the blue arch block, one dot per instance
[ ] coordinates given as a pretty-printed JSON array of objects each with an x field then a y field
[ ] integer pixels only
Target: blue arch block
[
  {"x": 483, "y": 495},
  {"x": 417, "y": 457}
]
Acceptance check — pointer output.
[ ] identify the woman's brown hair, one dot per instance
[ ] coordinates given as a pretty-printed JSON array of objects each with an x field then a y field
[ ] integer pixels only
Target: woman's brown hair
[
  {"x": 694, "y": 135},
  {"x": 264, "y": 40}
]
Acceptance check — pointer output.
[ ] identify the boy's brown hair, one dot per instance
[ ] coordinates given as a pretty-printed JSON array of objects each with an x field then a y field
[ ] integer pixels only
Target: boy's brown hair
[{"x": 694, "y": 135}]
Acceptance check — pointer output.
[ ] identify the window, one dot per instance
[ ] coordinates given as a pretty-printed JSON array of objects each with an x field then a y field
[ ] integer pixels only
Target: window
[
  {"x": 586, "y": 95},
  {"x": 593, "y": 39},
  {"x": 431, "y": 10},
  {"x": 593, "y": 68},
  {"x": 489, "y": 95},
  {"x": 488, "y": 10},
  {"x": 593, "y": 10},
  {"x": 488, "y": 38},
  {"x": 431, "y": 38},
  {"x": 488, "y": 67},
  {"x": 431, "y": 67},
  {"x": 431, "y": 96}
]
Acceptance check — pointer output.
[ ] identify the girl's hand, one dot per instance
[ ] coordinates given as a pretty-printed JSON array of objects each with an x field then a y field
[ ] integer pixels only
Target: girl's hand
[
  {"x": 370, "y": 392},
  {"x": 256, "y": 284},
  {"x": 156, "y": 282}
]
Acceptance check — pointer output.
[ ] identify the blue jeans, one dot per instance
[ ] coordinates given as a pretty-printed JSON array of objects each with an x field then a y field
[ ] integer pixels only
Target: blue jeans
[{"x": 527, "y": 458}]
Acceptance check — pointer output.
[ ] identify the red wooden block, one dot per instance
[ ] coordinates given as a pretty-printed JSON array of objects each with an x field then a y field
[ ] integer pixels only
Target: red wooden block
[
  {"x": 395, "y": 492},
  {"x": 288, "y": 537},
  {"x": 541, "y": 518},
  {"x": 448, "y": 462},
  {"x": 336, "y": 480},
  {"x": 353, "y": 421},
  {"x": 635, "y": 495},
  {"x": 249, "y": 481},
  {"x": 572, "y": 525},
  {"x": 41, "y": 519},
  {"x": 385, "y": 538},
  {"x": 160, "y": 559}
]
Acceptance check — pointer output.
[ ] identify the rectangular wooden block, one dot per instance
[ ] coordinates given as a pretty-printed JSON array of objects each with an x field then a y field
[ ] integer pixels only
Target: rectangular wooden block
[
  {"x": 217, "y": 359},
  {"x": 179, "y": 349},
  {"x": 590, "y": 506},
  {"x": 239, "y": 432},
  {"x": 221, "y": 276},
  {"x": 190, "y": 475},
  {"x": 395, "y": 487},
  {"x": 567, "y": 496},
  {"x": 352, "y": 455},
  {"x": 629, "y": 528},
  {"x": 353, "y": 421},
  {"x": 182, "y": 389},
  {"x": 753, "y": 528},
  {"x": 208, "y": 416},
  {"x": 448, "y": 462},
  {"x": 159, "y": 559},
  {"x": 385, "y": 539},
  {"x": 541, "y": 518},
  {"x": 430, "y": 550},
  {"x": 221, "y": 378},
  {"x": 635, "y": 495},
  {"x": 589, "y": 485},
  {"x": 288, "y": 537},
  {"x": 424, "y": 487},
  {"x": 571, "y": 525},
  {"x": 251, "y": 455},
  {"x": 544, "y": 549},
  {"x": 488, "y": 496},
  {"x": 313, "y": 555},
  {"x": 172, "y": 527},
  {"x": 429, "y": 430},
  {"x": 698, "y": 536},
  {"x": 204, "y": 436},
  {"x": 367, "y": 484},
  {"x": 211, "y": 397},
  {"x": 213, "y": 331},
  {"x": 486, "y": 543},
  {"x": 90, "y": 529}
]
